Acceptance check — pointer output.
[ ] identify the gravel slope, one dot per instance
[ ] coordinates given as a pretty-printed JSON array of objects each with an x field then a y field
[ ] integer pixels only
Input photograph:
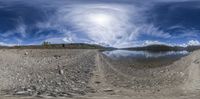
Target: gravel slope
[{"x": 46, "y": 72}]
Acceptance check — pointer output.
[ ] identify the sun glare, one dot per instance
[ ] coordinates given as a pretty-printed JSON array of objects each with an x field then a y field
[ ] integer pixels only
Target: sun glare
[{"x": 100, "y": 19}]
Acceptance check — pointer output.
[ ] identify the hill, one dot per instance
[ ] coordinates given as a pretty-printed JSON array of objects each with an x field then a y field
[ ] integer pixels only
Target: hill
[
  {"x": 158, "y": 47},
  {"x": 60, "y": 46},
  {"x": 192, "y": 48}
]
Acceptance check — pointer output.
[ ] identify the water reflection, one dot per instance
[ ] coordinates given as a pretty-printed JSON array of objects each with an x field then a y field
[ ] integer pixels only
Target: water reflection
[
  {"x": 142, "y": 59},
  {"x": 143, "y": 54}
]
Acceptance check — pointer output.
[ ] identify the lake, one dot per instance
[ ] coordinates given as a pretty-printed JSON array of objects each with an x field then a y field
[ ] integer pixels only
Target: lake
[{"x": 141, "y": 59}]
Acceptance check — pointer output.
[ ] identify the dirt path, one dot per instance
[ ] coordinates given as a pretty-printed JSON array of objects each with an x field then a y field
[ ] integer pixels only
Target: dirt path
[
  {"x": 98, "y": 81},
  {"x": 193, "y": 82}
]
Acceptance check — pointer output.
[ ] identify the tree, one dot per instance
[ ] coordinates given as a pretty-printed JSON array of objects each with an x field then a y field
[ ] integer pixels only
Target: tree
[{"x": 45, "y": 43}]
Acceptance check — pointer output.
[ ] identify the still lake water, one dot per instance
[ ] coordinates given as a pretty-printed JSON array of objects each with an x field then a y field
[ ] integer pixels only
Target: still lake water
[{"x": 143, "y": 58}]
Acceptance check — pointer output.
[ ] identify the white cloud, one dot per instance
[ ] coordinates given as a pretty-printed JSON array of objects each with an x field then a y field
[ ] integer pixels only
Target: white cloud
[
  {"x": 83, "y": 17},
  {"x": 185, "y": 33},
  {"x": 193, "y": 42},
  {"x": 6, "y": 44},
  {"x": 148, "y": 42},
  {"x": 22, "y": 30},
  {"x": 150, "y": 29},
  {"x": 57, "y": 40}
]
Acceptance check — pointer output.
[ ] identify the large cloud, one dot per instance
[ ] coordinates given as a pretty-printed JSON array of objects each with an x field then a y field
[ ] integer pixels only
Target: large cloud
[{"x": 124, "y": 23}]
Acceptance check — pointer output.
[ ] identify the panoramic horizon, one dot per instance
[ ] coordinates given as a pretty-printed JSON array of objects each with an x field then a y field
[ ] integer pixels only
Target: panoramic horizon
[
  {"x": 100, "y": 49},
  {"x": 112, "y": 23}
]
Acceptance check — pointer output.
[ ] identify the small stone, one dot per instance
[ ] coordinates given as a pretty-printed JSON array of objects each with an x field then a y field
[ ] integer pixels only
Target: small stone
[
  {"x": 26, "y": 53},
  {"x": 61, "y": 72},
  {"x": 57, "y": 56},
  {"x": 22, "y": 93},
  {"x": 29, "y": 90},
  {"x": 97, "y": 82},
  {"x": 52, "y": 94},
  {"x": 75, "y": 89},
  {"x": 182, "y": 74},
  {"x": 107, "y": 90}
]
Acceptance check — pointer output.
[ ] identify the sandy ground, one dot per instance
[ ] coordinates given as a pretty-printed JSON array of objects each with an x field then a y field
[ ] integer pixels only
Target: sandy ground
[{"x": 88, "y": 74}]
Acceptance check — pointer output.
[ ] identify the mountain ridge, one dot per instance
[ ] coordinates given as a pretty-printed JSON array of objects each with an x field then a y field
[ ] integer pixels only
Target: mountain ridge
[
  {"x": 152, "y": 47},
  {"x": 162, "y": 47}
]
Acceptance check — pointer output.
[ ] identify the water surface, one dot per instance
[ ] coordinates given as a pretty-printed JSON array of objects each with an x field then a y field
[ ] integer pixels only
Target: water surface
[{"x": 141, "y": 59}]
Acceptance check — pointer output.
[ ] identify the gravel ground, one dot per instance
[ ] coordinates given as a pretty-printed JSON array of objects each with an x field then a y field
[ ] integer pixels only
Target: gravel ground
[
  {"x": 46, "y": 72},
  {"x": 88, "y": 74}
]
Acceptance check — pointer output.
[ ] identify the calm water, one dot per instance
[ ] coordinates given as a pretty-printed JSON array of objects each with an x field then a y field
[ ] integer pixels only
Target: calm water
[
  {"x": 143, "y": 58},
  {"x": 118, "y": 54}
]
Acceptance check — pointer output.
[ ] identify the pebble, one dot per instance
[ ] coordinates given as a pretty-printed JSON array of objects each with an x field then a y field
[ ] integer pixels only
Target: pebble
[
  {"x": 61, "y": 72},
  {"x": 97, "y": 82},
  {"x": 108, "y": 90},
  {"x": 22, "y": 93},
  {"x": 26, "y": 53}
]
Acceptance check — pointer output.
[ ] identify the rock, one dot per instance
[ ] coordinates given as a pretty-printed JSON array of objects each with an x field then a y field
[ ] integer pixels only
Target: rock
[
  {"x": 97, "y": 82},
  {"x": 52, "y": 94},
  {"x": 57, "y": 56},
  {"x": 26, "y": 53},
  {"x": 108, "y": 90},
  {"x": 26, "y": 93},
  {"x": 61, "y": 72}
]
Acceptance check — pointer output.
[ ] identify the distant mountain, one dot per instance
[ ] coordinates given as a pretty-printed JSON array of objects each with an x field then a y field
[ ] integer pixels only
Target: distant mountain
[
  {"x": 67, "y": 46},
  {"x": 82, "y": 46},
  {"x": 86, "y": 46},
  {"x": 3, "y": 46},
  {"x": 192, "y": 48},
  {"x": 158, "y": 47},
  {"x": 155, "y": 47}
]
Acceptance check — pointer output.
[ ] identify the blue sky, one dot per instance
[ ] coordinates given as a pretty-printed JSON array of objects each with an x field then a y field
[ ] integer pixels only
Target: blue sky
[{"x": 117, "y": 23}]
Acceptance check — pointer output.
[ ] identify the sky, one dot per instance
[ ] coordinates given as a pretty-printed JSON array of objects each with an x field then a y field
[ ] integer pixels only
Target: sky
[{"x": 114, "y": 23}]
